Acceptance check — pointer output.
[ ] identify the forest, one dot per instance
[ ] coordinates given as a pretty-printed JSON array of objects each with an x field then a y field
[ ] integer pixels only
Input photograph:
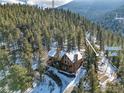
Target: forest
[
  {"x": 109, "y": 20},
  {"x": 26, "y": 31}
]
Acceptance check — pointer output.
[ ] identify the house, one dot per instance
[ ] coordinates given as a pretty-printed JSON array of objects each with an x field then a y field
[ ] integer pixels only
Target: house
[
  {"x": 54, "y": 56},
  {"x": 65, "y": 61},
  {"x": 3, "y": 45},
  {"x": 71, "y": 61},
  {"x": 106, "y": 72}
]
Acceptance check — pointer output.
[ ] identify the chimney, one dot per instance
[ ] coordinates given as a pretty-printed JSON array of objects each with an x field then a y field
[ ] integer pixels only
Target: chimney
[
  {"x": 75, "y": 57},
  {"x": 58, "y": 51}
]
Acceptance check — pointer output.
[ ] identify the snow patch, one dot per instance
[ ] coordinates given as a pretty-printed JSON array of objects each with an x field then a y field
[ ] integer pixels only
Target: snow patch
[
  {"x": 52, "y": 52},
  {"x": 81, "y": 73},
  {"x": 71, "y": 55},
  {"x": 47, "y": 86},
  {"x": 106, "y": 69}
]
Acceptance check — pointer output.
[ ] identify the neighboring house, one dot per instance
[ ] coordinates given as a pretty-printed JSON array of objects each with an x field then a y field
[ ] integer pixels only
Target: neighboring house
[
  {"x": 3, "y": 45},
  {"x": 66, "y": 61},
  {"x": 106, "y": 72}
]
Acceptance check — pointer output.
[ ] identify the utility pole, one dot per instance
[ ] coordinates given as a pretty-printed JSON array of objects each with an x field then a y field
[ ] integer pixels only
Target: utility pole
[
  {"x": 53, "y": 15},
  {"x": 53, "y": 4}
]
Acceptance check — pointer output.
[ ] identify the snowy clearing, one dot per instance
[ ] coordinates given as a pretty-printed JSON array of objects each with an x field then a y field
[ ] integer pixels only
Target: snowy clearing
[
  {"x": 80, "y": 74},
  {"x": 47, "y": 86}
]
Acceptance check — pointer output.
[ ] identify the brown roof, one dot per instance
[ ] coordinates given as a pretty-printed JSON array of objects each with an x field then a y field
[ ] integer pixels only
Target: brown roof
[{"x": 104, "y": 78}]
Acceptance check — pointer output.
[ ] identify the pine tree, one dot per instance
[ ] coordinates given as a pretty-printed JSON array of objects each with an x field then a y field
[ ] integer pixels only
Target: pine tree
[{"x": 22, "y": 81}]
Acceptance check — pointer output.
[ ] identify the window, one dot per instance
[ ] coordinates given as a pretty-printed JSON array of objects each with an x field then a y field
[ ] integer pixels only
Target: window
[
  {"x": 65, "y": 68},
  {"x": 65, "y": 61}
]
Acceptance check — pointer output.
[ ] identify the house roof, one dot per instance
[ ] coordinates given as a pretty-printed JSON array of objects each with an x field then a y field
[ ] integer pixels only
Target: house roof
[
  {"x": 52, "y": 52},
  {"x": 104, "y": 78},
  {"x": 62, "y": 53},
  {"x": 110, "y": 70},
  {"x": 71, "y": 55},
  {"x": 105, "y": 66}
]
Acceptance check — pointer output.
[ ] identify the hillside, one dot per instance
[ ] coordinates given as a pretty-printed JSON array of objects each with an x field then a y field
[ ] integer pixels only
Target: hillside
[
  {"x": 93, "y": 9},
  {"x": 26, "y": 36},
  {"x": 109, "y": 20}
]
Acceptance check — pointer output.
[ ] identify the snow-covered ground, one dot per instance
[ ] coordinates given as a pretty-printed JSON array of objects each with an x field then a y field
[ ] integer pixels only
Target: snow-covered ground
[
  {"x": 40, "y": 3},
  {"x": 3, "y": 74},
  {"x": 47, "y": 86},
  {"x": 50, "y": 86},
  {"x": 81, "y": 73},
  {"x": 64, "y": 79},
  {"x": 107, "y": 72}
]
